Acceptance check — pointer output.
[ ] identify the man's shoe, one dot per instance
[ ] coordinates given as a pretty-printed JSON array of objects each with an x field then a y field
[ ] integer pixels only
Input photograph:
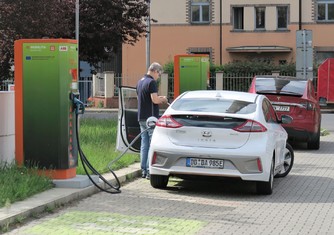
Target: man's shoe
[
  {"x": 148, "y": 176},
  {"x": 143, "y": 174}
]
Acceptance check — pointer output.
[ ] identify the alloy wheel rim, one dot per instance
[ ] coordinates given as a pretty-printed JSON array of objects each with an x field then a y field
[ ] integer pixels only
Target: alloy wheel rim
[{"x": 287, "y": 161}]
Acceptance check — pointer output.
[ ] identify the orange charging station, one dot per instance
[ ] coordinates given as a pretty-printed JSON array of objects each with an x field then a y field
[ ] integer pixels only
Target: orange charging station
[{"x": 45, "y": 77}]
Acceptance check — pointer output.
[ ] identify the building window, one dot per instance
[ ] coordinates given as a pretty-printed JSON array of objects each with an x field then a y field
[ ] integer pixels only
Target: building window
[
  {"x": 200, "y": 11},
  {"x": 282, "y": 17},
  {"x": 321, "y": 56},
  {"x": 325, "y": 10},
  {"x": 282, "y": 62},
  {"x": 201, "y": 50},
  {"x": 260, "y": 14},
  {"x": 238, "y": 17}
]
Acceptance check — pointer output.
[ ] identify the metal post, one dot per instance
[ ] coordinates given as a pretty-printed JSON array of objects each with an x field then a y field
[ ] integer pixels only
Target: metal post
[
  {"x": 77, "y": 33},
  {"x": 148, "y": 36},
  {"x": 77, "y": 20},
  {"x": 304, "y": 54},
  {"x": 220, "y": 33}
]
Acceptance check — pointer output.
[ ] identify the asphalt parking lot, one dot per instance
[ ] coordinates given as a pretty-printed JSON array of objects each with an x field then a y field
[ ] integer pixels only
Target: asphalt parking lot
[{"x": 302, "y": 203}]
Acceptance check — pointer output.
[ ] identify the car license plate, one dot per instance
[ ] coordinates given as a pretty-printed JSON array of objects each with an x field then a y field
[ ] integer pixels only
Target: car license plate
[
  {"x": 282, "y": 108},
  {"x": 205, "y": 163}
]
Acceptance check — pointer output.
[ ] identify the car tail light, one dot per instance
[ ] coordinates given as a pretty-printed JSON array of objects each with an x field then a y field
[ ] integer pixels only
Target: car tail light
[
  {"x": 308, "y": 105},
  {"x": 250, "y": 126},
  {"x": 259, "y": 165},
  {"x": 168, "y": 122}
]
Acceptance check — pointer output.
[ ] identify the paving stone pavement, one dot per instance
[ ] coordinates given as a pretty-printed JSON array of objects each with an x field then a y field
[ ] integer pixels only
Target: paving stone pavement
[{"x": 302, "y": 203}]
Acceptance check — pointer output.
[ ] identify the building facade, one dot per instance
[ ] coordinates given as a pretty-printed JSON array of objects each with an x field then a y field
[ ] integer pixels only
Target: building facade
[{"x": 231, "y": 30}]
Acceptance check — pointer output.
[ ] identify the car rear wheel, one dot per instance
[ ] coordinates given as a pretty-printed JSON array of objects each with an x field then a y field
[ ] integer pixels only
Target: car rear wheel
[
  {"x": 159, "y": 181},
  {"x": 314, "y": 142},
  {"x": 266, "y": 188},
  {"x": 288, "y": 161}
]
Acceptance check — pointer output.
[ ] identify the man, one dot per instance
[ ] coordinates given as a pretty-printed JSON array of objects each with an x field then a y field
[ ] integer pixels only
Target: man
[{"x": 148, "y": 105}]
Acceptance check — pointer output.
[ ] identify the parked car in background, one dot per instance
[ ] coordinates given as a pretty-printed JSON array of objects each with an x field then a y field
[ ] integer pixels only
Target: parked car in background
[{"x": 297, "y": 98}]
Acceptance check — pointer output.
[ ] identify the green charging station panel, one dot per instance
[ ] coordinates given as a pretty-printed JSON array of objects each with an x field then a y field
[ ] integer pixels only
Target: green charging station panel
[
  {"x": 49, "y": 138},
  {"x": 191, "y": 73}
]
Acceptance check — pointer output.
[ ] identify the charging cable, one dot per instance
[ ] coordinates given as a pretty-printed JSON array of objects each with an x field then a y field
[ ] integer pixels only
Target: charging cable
[{"x": 79, "y": 105}]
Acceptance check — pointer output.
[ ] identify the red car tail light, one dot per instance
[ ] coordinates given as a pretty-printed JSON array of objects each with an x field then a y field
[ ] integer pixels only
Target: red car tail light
[
  {"x": 308, "y": 105},
  {"x": 250, "y": 126},
  {"x": 168, "y": 122}
]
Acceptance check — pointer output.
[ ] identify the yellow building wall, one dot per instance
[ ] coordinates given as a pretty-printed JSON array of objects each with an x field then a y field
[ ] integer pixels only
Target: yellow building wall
[
  {"x": 166, "y": 42},
  {"x": 173, "y": 35}
]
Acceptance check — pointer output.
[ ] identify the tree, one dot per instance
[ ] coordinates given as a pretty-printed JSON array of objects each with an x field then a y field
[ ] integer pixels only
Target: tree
[
  {"x": 104, "y": 25},
  {"x": 32, "y": 19}
]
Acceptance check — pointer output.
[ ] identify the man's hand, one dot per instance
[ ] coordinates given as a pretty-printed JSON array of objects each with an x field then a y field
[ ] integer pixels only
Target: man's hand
[{"x": 163, "y": 99}]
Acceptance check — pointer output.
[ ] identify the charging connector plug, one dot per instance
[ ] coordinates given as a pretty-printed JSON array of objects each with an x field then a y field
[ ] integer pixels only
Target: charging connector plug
[{"x": 78, "y": 105}]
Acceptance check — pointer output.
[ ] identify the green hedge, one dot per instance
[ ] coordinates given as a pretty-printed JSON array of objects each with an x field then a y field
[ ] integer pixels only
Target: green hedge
[{"x": 246, "y": 67}]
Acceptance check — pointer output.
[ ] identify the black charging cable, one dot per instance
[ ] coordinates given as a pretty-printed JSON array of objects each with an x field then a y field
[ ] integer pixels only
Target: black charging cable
[{"x": 79, "y": 105}]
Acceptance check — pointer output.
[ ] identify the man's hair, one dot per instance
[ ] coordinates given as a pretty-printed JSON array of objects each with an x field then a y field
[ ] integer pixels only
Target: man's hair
[{"x": 155, "y": 67}]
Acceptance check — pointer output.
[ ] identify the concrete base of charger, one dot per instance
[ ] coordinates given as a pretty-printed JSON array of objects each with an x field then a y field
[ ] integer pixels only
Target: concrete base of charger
[{"x": 79, "y": 181}]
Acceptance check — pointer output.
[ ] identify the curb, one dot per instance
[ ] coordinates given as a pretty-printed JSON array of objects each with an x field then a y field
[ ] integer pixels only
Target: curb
[
  {"x": 98, "y": 110},
  {"x": 56, "y": 197}
]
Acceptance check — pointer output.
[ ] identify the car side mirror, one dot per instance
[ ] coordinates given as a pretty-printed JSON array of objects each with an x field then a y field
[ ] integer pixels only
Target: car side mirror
[
  {"x": 286, "y": 119},
  {"x": 151, "y": 122}
]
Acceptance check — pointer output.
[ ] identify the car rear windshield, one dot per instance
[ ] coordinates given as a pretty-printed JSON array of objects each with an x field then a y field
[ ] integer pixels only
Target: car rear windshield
[
  {"x": 214, "y": 105},
  {"x": 280, "y": 86}
]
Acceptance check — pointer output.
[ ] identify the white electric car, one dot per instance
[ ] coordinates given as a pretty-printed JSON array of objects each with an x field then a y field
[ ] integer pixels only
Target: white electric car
[{"x": 213, "y": 133}]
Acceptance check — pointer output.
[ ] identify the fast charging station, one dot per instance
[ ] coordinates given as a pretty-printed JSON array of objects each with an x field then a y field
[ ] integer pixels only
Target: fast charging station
[
  {"x": 45, "y": 79},
  {"x": 191, "y": 72}
]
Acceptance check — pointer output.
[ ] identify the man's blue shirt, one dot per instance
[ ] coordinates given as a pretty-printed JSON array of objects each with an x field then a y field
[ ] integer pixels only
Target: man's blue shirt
[{"x": 146, "y": 108}]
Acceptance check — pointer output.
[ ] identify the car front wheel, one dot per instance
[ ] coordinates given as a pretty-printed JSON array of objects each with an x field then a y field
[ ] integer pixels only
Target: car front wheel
[
  {"x": 288, "y": 161},
  {"x": 266, "y": 188},
  {"x": 159, "y": 181}
]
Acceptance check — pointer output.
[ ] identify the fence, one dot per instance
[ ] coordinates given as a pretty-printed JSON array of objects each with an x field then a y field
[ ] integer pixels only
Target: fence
[
  {"x": 85, "y": 87},
  {"x": 4, "y": 85},
  {"x": 230, "y": 81}
]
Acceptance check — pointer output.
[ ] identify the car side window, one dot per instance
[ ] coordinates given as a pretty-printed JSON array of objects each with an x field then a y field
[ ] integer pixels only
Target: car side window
[
  {"x": 272, "y": 113},
  {"x": 311, "y": 89},
  {"x": 269, "y": 112},
  {"x": 266, "y": 111}
]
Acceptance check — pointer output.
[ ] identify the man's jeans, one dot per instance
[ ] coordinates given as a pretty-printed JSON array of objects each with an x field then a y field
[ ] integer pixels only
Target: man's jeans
[{"x": 145, "y": 145}]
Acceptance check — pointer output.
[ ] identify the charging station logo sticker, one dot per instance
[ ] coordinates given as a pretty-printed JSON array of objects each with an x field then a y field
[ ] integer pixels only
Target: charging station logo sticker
[{"x": 63, "y": 48}]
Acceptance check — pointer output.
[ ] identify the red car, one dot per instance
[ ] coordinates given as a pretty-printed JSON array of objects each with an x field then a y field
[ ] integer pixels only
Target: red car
[{"x": 294, "y": 97}]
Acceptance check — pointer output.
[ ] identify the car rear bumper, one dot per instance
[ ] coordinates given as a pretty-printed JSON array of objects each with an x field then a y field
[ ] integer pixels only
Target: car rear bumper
[
  {"x": 237, "y": 164},
  {"x": 299, "y": 135}
]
